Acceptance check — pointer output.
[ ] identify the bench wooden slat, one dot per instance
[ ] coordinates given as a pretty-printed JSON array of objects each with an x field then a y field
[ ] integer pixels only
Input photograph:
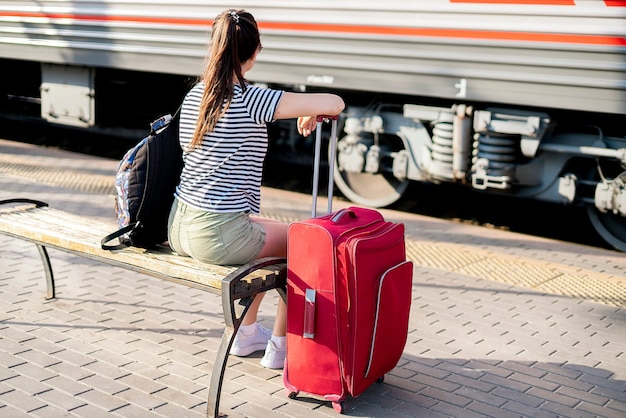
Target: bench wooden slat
[{"x": 73, "y": 233}]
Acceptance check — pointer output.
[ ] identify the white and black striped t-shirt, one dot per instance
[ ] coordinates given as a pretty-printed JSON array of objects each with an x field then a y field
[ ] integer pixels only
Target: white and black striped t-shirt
[{"x": 223, "y": 174}]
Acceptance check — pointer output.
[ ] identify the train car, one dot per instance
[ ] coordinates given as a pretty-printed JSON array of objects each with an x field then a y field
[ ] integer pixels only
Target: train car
[{"x": 519, "y": 97}]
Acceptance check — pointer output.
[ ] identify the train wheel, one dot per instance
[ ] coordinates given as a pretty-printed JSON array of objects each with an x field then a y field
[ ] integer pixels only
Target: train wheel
[
  {"x": 612, "y": 228},
  {"x": 373, "y": 189}
]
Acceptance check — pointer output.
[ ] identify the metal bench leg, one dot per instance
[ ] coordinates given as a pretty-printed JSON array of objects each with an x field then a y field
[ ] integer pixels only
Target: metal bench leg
[
  {"x": 235, "y": 289},
  {"x": 233, "y": 320},
  {"x": 43, "y": 253},
  {"x": 47, "y": 267}
]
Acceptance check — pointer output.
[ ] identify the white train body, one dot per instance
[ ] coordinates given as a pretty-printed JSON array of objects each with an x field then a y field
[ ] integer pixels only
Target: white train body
[{"x": 522, "y": 97}]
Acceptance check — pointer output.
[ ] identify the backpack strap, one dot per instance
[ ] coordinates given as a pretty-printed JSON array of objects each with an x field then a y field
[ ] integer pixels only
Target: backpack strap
[
  {"x": 163, "y": 122},
  {"x": 117, "y": 234}
]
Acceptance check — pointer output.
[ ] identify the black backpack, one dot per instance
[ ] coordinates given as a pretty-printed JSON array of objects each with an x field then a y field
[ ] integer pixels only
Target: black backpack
[{"x": 145, "y": 182}]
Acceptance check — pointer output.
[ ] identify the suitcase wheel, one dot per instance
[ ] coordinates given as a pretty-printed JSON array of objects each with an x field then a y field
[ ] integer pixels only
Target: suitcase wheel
[
  {"x": 341, "y": 407},
  {"x": 381, "y": 379},
  {"x": 292, "y": 395}
]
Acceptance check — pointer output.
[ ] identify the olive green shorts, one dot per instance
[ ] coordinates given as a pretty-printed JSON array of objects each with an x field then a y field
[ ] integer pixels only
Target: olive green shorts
[{"x": 216, "y": 238}]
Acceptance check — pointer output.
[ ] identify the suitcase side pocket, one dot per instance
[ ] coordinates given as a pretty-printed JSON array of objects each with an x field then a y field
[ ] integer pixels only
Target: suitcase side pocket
[{"x": 391, "y": 320}]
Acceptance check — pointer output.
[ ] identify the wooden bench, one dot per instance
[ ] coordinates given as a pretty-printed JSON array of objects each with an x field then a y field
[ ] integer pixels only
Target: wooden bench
[{"x": 46, "y": 227}]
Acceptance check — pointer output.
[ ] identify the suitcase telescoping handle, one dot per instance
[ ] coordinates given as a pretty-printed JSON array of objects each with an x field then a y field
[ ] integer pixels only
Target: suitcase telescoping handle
[
  {"x": 331, "y": 161},
  {"x": 310, "y": 294}
]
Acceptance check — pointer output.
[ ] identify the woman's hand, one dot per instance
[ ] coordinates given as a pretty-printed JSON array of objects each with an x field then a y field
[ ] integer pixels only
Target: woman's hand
[{"x": 306, "y": 125}]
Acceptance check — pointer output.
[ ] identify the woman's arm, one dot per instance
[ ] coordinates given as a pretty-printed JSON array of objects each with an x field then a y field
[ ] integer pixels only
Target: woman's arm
[
  {"x": 306, "y": 106},
  {"x": 294, "y": 105}
]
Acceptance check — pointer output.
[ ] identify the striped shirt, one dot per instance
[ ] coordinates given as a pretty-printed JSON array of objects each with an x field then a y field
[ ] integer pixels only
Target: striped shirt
[{"x": 224, "y": 173}]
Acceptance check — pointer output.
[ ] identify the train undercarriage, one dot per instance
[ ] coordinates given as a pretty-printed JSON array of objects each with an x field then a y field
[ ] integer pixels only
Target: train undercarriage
[{"x": 568, "y": 158}]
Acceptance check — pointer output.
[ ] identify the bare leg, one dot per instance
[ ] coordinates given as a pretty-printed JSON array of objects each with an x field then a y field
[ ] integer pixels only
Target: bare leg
[
  {"x": 280, "y": 323},
  {"x": 275, "y": 246},
  {"x": 251, "y": 315},
  {"x": 275, "y": 237}
]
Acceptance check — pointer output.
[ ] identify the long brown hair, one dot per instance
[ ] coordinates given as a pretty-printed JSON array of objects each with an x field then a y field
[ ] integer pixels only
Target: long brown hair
[{"x": 234, "y": 40}]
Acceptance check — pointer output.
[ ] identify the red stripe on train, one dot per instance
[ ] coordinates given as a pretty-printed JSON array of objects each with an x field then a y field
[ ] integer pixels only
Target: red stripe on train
[
  {"x": 451, "y": 33},
  {"x": 105, "y": 18},
  {"x": 357, "y": 29},
  {"x": 544, "y": 2},
  {"x": 610, "y": 3}
]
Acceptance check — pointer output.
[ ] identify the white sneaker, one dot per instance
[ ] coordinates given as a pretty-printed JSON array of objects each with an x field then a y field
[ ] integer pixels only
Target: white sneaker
[
  {"x": 273, "y": 358},
  {"x": 244, "y": 345}
]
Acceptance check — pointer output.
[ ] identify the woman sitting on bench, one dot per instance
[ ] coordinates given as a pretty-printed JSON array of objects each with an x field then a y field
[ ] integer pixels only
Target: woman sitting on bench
[{"x": 223, "y": 134}]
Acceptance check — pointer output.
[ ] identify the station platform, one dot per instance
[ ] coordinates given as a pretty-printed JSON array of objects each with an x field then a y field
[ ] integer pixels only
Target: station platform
[{"x": 502, "y": 324}]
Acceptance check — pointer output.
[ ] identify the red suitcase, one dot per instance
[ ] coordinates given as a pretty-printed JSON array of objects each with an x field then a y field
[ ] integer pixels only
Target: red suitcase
[{"x": 348, "y": 300}]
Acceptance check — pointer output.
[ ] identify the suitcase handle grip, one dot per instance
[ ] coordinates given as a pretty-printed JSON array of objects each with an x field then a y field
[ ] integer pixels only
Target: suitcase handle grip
[
  {"x": 309, "y": 314},
  {"x": 321, "y": 118},
  {"x": 339, "y": 216}
]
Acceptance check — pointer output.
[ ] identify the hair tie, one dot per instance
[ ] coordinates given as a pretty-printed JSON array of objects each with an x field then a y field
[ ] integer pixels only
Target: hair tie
[{"x": 234, "y": 16}]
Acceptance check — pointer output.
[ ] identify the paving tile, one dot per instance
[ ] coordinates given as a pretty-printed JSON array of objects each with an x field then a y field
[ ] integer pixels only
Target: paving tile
[
  {"x": 104, "y": 384},
  {"x": 33, "y": 371},
  {"x": 47, "y": 411},
  {"x": 90, "y": 411},
  {"x": 21, "y": 402},
  {"x": 184, "y": 385},
  {"x": 95, "y": 397},
  {"x": 58, "y": 399},
  {"x": 517, "y": 396},
  {"x": 415, "y": 410},
  {"x": 184, "y": 370},
  {"x": 560, "y": 409},
  {"x": 26, "y": 385},
  {"x": 175, "y": 397},
  {"x": 616, "y": 407},
  {"x": 141, "y": 400},
  {"x": 613, "y": 391},
  {"x": 453, "y": 410}
]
